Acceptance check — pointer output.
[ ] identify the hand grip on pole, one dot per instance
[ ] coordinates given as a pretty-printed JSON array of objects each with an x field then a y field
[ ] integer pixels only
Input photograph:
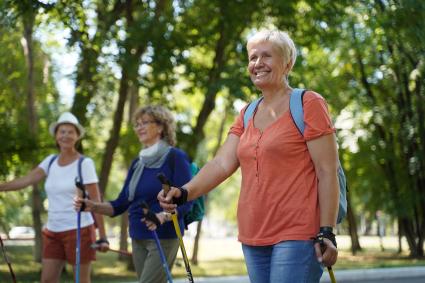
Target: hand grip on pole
[
  {"x": 80, "y": 186},
  {"x": 149, "y": 215},
  {"x": 330, "y": 270},
  {"x": 164, "y": 181},
  {"x": 166, "y": 187}
]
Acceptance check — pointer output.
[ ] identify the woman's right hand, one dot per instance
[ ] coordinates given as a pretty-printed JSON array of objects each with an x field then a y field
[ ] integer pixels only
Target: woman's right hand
[
  {"x": 166, "y": 199},
  {"x": 78, "y": 203}
]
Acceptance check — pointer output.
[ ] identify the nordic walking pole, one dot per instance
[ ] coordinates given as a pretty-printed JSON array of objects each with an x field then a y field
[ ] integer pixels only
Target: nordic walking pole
[
  {"x": 7, "y": 261},
  {"x": 80, "y": 186},
  {"x": 149, "y": 215},
  {"x": 331, "y": 274},
  {"x": 166, "y": 187},
  {"x": 121, "y": 252}
]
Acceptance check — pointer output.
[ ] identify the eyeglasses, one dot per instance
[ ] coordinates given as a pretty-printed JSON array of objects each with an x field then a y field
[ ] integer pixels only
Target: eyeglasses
[{"x": 143, "y": 124}]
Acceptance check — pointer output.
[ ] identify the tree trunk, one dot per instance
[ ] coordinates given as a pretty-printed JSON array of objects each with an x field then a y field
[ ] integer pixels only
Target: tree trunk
[
  {"x": 196, "y": 242},
  {"x": 28, "y": 21},
  {"x": 408, "y": 232},
  {"x": 124, "y": 236},
  {"x": 352, "y": 227},
  {"x": 129, "y": 72},
  {"x": 400, "y": 236},
  {"x": 112, "y": 142},
  {"x": 210, "y": 96}
]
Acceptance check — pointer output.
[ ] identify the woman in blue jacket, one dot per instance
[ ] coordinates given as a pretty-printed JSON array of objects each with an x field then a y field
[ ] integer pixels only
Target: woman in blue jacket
[{"x": 155, "y": 128}]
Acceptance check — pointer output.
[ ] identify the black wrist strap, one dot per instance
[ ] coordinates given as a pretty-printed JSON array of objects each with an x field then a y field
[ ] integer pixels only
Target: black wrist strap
[
  {"x": 102, "y": 241},
  {"x": 325, "y": 229},
  {"x": 183, "y": 197},
  {"x": 149, "y": 215},
  {"x": 325, "y": 233}
]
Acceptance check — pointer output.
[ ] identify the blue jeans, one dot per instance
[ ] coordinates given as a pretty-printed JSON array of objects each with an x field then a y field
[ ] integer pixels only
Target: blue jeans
[{"x": 284, "y": 262}]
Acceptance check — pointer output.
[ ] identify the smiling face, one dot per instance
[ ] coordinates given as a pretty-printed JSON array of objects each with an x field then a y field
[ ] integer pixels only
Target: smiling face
[
  {"x": 148, "y": 130},
  {"x": 266, "y": 66},
  {"x": 66, "y": 136}
]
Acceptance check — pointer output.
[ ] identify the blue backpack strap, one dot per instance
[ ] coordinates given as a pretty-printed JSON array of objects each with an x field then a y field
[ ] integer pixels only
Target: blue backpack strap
[
  {"x": 50, "y": 163},
  {"x": 296, "y": 108},
  {"x": 250, "y": 111},
  {"x": 80, "y": 175}
]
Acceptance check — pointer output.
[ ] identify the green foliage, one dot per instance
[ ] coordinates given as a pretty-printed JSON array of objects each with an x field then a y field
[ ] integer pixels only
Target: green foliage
[{"x": 19, "y": 150}]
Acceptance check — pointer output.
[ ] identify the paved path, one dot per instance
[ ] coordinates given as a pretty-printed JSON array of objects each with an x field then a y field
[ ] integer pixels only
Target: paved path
[
  {"x": 393, "y": 275},
  {"x": 377, "y": 274}
]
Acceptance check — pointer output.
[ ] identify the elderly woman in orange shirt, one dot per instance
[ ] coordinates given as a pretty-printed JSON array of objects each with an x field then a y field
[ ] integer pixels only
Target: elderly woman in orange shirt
[{"x": 289, "y": 190}]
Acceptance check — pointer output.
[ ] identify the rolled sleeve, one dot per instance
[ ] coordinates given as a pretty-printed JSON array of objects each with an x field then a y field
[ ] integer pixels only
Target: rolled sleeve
[
  {"x": 238, "y": 127},
  {"x": 316, "y": 116}
]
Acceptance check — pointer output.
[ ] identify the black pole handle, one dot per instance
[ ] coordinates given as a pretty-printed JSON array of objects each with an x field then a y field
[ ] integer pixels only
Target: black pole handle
[
  {"x": 80, "y": 186},
  {"x": 164, "y": 181},
  {"x": 149, "y": 215}
]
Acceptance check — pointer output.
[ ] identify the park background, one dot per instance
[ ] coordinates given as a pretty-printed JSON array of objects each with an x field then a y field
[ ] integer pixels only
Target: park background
[{"x": 103, "y": 59}]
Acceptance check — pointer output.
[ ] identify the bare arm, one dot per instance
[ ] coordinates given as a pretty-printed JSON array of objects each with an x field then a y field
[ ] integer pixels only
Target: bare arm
[
  {"x": 211, "y": 175},
  {"x": 94, "y": 194},
  {"x": 33, "y": 177},
  {"x": 324, "y": 154},
  {"x": 97, "y": 207},
  {"x": 216, "y": 170}
]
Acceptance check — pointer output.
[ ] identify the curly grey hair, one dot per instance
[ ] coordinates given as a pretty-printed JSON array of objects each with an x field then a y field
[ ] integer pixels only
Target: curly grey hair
[{"x": 163, "y": 117}]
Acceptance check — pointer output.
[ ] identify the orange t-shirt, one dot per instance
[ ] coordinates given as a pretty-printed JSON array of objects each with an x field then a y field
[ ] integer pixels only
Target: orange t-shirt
[{"x": 279, "y": 195}]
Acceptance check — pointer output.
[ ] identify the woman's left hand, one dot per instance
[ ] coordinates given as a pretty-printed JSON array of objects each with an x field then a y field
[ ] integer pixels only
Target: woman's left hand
[
  {"x": 327, "y": 254},
  {"x": 151, "y": 225},
  {"x": 102, "y": 245}
]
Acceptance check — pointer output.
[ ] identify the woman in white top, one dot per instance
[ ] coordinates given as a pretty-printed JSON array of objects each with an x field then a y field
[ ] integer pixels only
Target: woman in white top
[{"x": 60, "y": 171}]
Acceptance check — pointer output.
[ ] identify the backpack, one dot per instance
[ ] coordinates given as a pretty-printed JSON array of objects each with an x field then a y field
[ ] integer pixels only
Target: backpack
[
  {"x": 297, "y": 114},
  {"x": 197, "y": 212}
]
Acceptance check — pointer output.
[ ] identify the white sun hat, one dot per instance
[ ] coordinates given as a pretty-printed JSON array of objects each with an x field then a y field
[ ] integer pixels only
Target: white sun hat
[{"x": 66, "y": 118}]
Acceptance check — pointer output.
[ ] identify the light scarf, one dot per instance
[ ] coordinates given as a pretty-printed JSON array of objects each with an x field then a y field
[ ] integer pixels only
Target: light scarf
[{"x": 151, "y": 157}]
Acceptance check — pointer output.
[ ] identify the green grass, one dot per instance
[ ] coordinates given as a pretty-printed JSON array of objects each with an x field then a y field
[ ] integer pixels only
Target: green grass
[
  {"x": 109, "y": 269},
  {"x": 374, "y": 258}
]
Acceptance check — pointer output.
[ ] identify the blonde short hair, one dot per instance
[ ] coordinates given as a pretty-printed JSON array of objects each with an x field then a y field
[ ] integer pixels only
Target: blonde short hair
[
  {"x": 279, "y": 39},
  {"x": 163, "y": 117}
]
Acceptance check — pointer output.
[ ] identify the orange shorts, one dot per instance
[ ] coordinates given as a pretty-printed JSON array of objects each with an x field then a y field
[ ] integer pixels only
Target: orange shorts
[{"x": 62, "y": 245}]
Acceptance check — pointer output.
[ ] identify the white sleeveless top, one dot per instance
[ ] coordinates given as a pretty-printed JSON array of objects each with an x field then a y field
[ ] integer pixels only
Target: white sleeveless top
[{"x": 61, "y": 190}]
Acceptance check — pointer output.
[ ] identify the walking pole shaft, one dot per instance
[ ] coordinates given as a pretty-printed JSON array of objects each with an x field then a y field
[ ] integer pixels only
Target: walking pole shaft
[
  {"x": 80, "y": 186},
  {"x": 77, "y": 249},
  {"x": 166, "y": 187},
  {"x": 185, "y": 258},
  {"x": 162, "y": 255},
  {"x": 121, "y": 252},
  {"x": 149, "y": 215},
  {"x": 331, "y": 274},
  {"x": 7, "y": 261}
]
